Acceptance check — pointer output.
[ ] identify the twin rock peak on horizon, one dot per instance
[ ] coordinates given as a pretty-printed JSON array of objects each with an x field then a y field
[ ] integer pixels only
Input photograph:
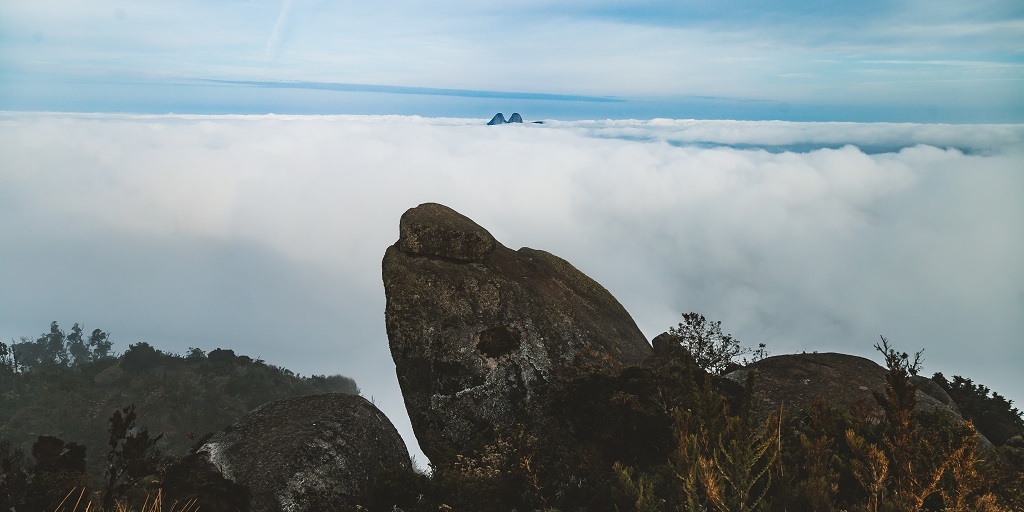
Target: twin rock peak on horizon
[{"x": 499, "y": 118}]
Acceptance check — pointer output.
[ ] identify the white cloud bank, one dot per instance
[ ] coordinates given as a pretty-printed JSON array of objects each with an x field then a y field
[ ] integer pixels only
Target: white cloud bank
[{"x": 265, "y": 234}]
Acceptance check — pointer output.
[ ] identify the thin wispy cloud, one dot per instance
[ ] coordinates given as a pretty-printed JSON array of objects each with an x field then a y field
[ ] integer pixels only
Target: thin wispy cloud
[
  {"x": 783, "y": 51},
  {"x": 275, "y": 33}
]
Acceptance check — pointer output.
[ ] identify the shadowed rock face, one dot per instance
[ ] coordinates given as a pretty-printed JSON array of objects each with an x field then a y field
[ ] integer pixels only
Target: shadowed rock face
[
  {"x": 476, "y": 328},
  {"x": 795, "y": 380},
  {"x": 498, "y": 118},
  {"x": 309, "y": 453},
  {"x": 516, "y": 118}
]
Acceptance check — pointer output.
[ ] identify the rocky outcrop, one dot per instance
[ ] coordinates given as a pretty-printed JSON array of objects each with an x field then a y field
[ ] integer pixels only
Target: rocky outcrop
[
  {"x": 934, "y": 390},
  {"x": 797, "y": 379},
  {"x": 476, "y": 328},
  {"x": 499, "y": 118},
  {"x": 437, "y": 231},
  {"x": 794, "y": 381},
  {"x": 301, "y": 454},
  {"x": 664, "y": 344}
]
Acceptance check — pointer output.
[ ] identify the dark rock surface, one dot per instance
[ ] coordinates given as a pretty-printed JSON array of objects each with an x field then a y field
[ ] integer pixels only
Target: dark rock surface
[
  {"x": 795, "y": 380},
  {"x": 438, "y": 231},
  {"x": 664, "y": 344},
  {"x": 498, "y": 118},
  {"x": 934, "y": 390},
  {"x": 476, "y": 328},
  {"x": 515, "y": 118},
  {"x": 309, "y": 453},
  {"x": 842, "y": 379}
]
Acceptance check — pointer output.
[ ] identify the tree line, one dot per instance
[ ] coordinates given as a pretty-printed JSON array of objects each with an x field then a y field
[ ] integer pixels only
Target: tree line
[
  {"x": 55, "y": 349},
  {"x": 76, "y": 414}
]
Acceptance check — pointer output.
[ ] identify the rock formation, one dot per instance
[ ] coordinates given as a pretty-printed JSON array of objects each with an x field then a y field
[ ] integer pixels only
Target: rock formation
[
  {"x": 499, "y": 118},
  {"x": 795, "y": 380},
  {"x": 309, "y": 453},
  {"x": 934, "y": 390},
  {"x": 475, "y": 328}
]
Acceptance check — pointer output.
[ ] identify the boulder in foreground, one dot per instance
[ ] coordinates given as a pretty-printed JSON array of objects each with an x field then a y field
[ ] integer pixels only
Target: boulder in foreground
[
  {"x": 476, "y": 328},
  {"x": 794, "y": 381},
  {"x": 310, "y": 453}
]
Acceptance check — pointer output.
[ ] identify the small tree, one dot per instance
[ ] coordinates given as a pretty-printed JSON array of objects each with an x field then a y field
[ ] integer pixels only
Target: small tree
[
  {"x": 54, "y": 346},
  {"x": 133, "y": 455},
  {"x": 99, "y": 342},
  {"x": 737, "y": 476},
  {"x": 870, "y": 467},
  {"x": 222, "y": 356},
  {"x": 917, "y": 462},
  {"x": 195, "y": 355},
  {"x": 5, "y": 355},
  {"x": 78, "y": 347},
  {"x": 13, "y": 476},
  {"x": 713, "y": 350},
  {"x": 140, "y": 357}
]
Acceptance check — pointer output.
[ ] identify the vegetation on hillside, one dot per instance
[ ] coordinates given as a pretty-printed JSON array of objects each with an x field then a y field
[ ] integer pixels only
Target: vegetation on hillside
[
  {"x": 672, "y": 435},
  {"x": 76, "y": 414},
  {"x": 992, "y": 414}
]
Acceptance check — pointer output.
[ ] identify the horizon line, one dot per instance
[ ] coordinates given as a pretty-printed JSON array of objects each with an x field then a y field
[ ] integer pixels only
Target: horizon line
[{"x": 428, "y": 91}]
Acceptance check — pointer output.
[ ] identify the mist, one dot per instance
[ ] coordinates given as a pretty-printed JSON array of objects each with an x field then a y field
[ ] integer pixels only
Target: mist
[{"x": 264, "y": 234}]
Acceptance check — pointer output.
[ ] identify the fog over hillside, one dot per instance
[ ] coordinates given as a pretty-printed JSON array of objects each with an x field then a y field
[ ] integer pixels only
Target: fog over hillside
[{"x": 265, "y": 234}]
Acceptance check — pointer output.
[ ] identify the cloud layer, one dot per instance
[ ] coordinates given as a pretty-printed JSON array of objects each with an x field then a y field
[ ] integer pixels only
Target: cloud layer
[{"x": 265, "y": 233}]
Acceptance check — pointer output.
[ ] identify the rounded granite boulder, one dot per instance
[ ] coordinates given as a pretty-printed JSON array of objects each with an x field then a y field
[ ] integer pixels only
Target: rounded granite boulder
[
  {"x": 435, "y": 230},
  {"x": 309, "y": 453}
]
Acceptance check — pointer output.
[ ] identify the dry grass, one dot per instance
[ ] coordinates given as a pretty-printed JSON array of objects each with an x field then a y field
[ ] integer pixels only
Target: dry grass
[{"x": 74, "y": 500}]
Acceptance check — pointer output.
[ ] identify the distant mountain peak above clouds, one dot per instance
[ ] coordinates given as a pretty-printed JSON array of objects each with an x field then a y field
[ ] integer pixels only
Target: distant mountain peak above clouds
[{"x": 499, "y": 118}]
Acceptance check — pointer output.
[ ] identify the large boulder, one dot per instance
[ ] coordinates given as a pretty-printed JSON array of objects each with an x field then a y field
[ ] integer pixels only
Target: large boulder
[
  {"x": 301, "y": 454},
  {"x": 794, "y": 381},
  {"x": 476, "y": 328}
]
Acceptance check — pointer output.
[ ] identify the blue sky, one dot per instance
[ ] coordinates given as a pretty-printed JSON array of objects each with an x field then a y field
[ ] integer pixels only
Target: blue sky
[{"x": 956, "y": 61}]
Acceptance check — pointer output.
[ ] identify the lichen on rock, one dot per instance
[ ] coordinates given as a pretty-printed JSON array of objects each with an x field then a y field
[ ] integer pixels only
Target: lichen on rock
[
  {"x": 475, "y": 328},
  {"x": 302, "y": 454}
]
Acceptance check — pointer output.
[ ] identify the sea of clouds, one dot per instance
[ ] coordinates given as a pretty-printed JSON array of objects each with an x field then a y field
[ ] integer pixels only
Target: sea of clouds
[{"x": 264, "y": 234}]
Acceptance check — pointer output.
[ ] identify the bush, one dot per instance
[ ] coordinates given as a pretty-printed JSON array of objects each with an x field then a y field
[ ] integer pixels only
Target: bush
[
  {"x": 712, "y": 350},
  {"x": 993, "y": 414},
  {"x": 140, "y": 357}
]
